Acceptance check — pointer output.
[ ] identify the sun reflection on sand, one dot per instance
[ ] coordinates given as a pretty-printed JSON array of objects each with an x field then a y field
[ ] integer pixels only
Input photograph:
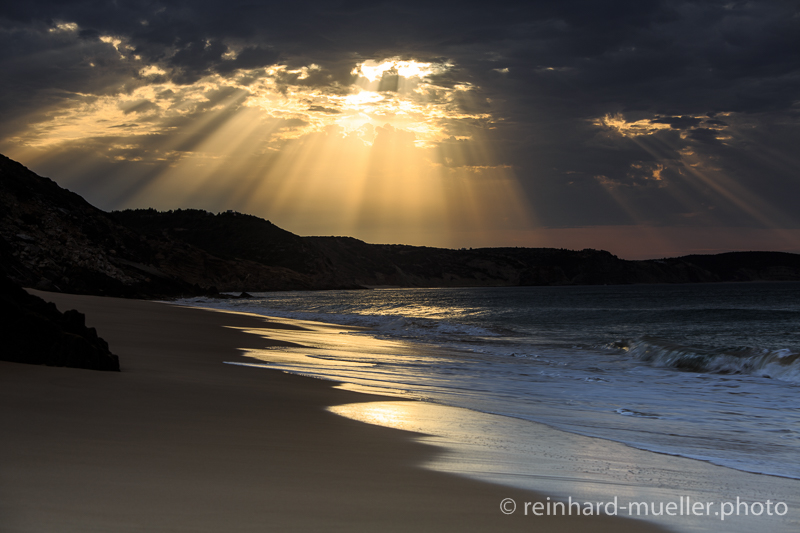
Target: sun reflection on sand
[
  {"x": 563, "y": 465},
  {"x": 499, "y": 449}
]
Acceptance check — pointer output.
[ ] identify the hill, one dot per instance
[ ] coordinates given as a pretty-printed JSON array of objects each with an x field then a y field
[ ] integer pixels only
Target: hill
[
  {"x": 345, "y": 261},
  {"x": 52, "y": 239}
]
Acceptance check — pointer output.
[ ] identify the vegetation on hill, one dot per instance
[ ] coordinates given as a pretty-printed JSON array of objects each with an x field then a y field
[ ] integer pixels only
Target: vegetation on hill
[{"x": 52, "y": 239}]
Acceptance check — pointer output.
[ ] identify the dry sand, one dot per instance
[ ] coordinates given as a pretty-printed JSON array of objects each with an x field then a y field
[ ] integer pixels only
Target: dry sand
[{"x": 179, "y": 441}]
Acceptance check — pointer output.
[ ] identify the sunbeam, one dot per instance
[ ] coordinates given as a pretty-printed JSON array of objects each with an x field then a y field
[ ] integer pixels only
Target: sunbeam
[{"x": 394, "y": 157}]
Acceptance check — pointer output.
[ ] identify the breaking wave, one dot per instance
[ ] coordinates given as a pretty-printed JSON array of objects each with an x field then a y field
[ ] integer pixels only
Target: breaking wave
[{"x": 782, "y": 364}]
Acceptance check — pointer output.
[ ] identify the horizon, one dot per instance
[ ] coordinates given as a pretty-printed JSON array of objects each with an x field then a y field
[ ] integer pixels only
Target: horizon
[{"x": 649, "y": 130}]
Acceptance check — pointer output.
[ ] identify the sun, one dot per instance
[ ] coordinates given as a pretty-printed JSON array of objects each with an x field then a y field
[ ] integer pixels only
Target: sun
[{"x": 374, "y": 70}]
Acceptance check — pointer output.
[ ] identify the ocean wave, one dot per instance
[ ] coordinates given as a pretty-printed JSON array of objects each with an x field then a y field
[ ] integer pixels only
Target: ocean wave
[
  {"x": 384, "y": 325},
  {"x": 423, "y": 327},
  {"x": 782, "y": 364},
  {"x": 631, "y": 412}
]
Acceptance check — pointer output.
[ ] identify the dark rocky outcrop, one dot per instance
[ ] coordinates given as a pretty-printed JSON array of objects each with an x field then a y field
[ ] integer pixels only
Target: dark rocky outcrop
[{"x": 34, "y": 331}]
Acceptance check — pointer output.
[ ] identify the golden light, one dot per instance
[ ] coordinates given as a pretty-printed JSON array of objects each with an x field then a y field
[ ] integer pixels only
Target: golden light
[
  {"x": 627, "y": 128},
  {"x": 398, "y": 152},
  {"x": 64, "y": 26},
  {"x": 394, "y": 157},
  {"x": 374, "y": 70}
]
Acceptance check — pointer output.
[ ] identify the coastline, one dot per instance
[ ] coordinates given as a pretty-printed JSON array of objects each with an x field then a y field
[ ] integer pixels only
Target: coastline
[
  {"x": 179, "y": 441},
  {"x": 488, "y": 444}
]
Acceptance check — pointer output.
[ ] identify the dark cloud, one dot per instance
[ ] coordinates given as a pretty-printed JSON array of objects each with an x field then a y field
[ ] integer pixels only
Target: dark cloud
[
  {"x": 705, "y": 135},
  {"x": 89, "y": 34},
  {"x": 141, "y": 106},
  {"x": 673, "y": 56},
  {"x": 249, "y": 58},
  {"x": 197, "y": 58},
  {"x": 723, "y": 76},
  {"x": 323, "y": 109},
  {"x": 679, "y": 123}
]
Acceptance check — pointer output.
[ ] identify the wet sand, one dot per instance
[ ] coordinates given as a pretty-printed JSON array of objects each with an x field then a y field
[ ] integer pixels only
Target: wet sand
[{"x": 180, "y": 441}]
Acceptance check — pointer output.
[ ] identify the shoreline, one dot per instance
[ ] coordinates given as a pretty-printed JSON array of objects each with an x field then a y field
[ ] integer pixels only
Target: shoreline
[
  {"x": 180, "y": 441},
  {"x": 502, "y": 449}
]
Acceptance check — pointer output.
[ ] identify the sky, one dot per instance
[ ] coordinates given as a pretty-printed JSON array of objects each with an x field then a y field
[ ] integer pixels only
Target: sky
[{"x": 647, "y": 128}]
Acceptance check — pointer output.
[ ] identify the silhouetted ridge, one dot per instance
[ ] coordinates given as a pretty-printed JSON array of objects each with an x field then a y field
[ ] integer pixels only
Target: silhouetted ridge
[
  {"x": 749, "y": 266},
  {"x": 345, "y": 261},
  {"x": 52, "y": 239},
  {"x": 229, "y": 235}
]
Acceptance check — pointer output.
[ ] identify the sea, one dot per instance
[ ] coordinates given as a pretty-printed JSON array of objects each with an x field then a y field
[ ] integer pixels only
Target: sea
[{"x": 703, "y": 372}]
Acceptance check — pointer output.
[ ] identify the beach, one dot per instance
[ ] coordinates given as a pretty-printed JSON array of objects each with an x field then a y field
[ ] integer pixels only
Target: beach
[
  {"x": 349, "y": 266},
  {"x": 179, "y": 441}
]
